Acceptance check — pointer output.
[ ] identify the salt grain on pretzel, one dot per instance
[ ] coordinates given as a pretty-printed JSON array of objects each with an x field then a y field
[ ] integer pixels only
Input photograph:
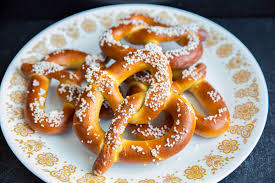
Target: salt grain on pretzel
[
  {"x": 135, "y": 109},
  {"x": 39, "y": 79},
  {"x": 143, "y": 29},
  {"x": 117, "y": 149},
  {"x": 53, "y": 66},
  {"x": 192, "y": 79}
]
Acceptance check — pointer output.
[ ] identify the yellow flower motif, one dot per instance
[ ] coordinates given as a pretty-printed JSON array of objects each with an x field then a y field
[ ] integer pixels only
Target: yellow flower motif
[
  {"x": 224, "y": 50},
  {"x": 245, "y": 111},
  {"x": 213, "y": 38},
  {"x": 215, "y": 161},
  {"x": 31, "y": 146},
  {"x": 233, "y": 129},
  {"x": 164, "y": 15},
  {"x": 121, "y": 181},
  {"x": 88, "y": 25},
  {"x": 241, "y": 77},
  {"x": 47, "y": 159},
  {"x": 228, "y": 146},
  {"x": 147, "y": 181},
  {"x": 31, "y": 60},
  {"x": 58, "y": 40},
  {"x": 17, "y": 80},
  {"x": 243, "y": 131},
  {"x": 171, "y": 178},
  {"x": 63, "y": 174},
  {"x": 72, "y": 32},
  {"x": 17, "y": 113},
  {"x": 14, "y": 112},
  {"x": 251, "y": 91},
  {"x": 146, "y": 11},
  {"x": 107, "y": 21},
  {"x": 195, "y": 172},
  {"x": 41, "y": 48},
  {"x": 89, "y": 178},
  {"x": 237, "y": 61},
  {"x": 23, "y": 130},
  {"x": 17, "y": 96},
  {"x": 183, "y": 19}
]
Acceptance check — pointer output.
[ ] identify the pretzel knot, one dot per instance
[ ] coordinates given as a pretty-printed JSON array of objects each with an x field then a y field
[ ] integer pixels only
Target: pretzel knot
[
  {"x": 40, "y": 74},
  {"x": 143, "y": 29},
  {"x": 193, "y": 80},
  {"x": 138, "y": 108}
]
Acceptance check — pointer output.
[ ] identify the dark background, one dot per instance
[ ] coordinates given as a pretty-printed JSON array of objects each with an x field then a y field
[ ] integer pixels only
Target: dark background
[{"x": 253, "y": 22}]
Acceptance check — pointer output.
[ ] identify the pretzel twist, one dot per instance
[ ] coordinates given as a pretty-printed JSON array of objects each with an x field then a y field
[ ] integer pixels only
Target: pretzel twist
[
  {"x": 138, "y": 108},
  {"x": 192, "y": 80},
  {"x": 143, "y": 29},
  {"x": 150, "y": 58},
  {"x": 40, "y": 74}
]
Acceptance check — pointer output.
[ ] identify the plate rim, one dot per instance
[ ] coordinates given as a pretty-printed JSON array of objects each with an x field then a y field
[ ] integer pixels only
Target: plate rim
[{"x": 261, "y": 78}]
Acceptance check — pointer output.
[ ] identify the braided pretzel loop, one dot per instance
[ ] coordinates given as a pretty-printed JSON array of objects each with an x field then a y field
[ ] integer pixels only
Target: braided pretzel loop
[
  {"x": 138, "y": 108},
  {"x": 143, "y": 29},
  {"x": 40, "y": 74},
  {"x": 192, "y": 80}
]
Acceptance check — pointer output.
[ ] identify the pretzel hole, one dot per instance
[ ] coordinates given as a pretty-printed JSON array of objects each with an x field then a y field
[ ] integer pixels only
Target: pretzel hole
[
  {"x": 171, "y": 45},
  {"x": 106, "y": 111},
  {"x": 183, "y": 41},
  {"x": 105, "y": 123},
  {"x": 70, "y": 70},
  {"x": 53, "y": 101},
  {"x": 125, "y": 42},
  {"x": 123, "y": 87},
  {"x": 194, "y": 101},
  {"x": 84, "y": 84}
]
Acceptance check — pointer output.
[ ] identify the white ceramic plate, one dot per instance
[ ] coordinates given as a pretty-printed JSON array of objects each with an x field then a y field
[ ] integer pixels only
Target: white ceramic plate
[{"x": 231, "y": 68}]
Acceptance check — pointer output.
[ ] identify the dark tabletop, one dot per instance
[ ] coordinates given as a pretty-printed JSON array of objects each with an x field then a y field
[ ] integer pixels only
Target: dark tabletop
[{"x": 256, "y": 30}]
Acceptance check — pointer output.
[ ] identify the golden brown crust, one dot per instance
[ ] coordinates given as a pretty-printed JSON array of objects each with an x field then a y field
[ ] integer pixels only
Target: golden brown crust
[
  {"x": 150, "y": 132},
  {"x": 121, "y": 70},
  {"x": 137, "y": 108},
  {"x": 35, "y": 113},
  {"x": 39, "y": 74},
  {"x": 72, "y": 59},
  {"x": 92, "y": 136},
  {"x": 143, "y": 29},
  {"x": 213, "y": 125},
  {"x": 218, "y": 121}
]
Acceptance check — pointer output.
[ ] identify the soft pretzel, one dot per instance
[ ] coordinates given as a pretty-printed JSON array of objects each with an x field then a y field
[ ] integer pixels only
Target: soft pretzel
[
  {"x": 192, "y": 80},
  {"x": 138, "y": 108},
  {"x": 110, "y": 78},
  {"x": 113, "y": 148},
  {"x": 52, "y": 66},
  {"x": 143, "y": 29}
]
